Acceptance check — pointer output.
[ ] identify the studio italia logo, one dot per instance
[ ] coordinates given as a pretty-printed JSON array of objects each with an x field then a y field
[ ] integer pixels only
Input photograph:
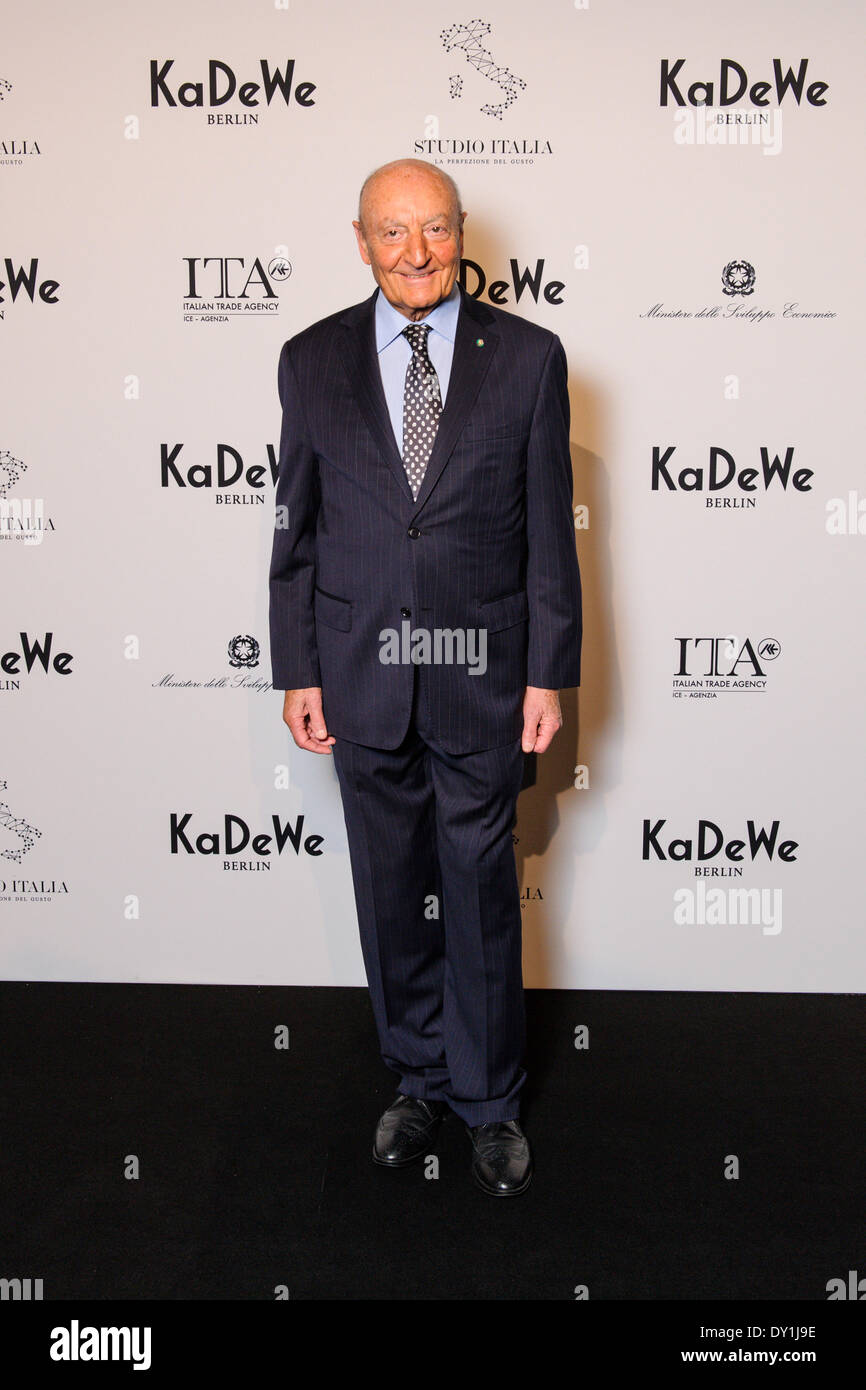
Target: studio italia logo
[
  {"x": 14, "y": 152},
  {"x": 483, "y": 92},
  {"x": 469, "y": 42},
  {"x": 16, "y": 147},
  {"x": 21, "y": 518},
  {"x": 18, "y": 838}
]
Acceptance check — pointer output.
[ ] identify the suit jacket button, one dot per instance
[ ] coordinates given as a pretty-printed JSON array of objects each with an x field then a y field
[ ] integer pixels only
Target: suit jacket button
[{"x": 414, "y": 533}]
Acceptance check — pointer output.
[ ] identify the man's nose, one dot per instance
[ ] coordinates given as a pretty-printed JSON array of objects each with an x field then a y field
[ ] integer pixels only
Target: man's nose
[{"x": 416, "y": 249}]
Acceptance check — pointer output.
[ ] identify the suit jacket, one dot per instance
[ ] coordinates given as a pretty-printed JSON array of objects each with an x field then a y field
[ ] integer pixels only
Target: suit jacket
[{"x": 489, "y": 545}]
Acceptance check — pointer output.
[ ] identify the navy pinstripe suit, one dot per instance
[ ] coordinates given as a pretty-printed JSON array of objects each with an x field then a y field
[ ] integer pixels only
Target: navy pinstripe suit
[{"x": 428, "y": 756}]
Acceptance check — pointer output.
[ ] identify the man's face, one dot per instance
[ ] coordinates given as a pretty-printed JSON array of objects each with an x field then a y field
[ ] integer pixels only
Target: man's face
[{"x": 412, "y": 238}]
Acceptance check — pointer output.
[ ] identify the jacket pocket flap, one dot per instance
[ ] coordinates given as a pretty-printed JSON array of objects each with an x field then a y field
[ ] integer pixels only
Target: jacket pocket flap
[
  {"x": 332, "y": 611},
  {"x": 504, "y": 612}
]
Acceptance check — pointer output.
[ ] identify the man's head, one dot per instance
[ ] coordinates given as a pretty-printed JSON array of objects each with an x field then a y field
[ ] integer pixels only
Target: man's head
[{"x": 410, "y": 232}]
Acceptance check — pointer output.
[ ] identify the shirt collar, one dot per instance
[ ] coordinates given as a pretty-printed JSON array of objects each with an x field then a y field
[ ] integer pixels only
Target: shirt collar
[{"x": 390, "y": 322}]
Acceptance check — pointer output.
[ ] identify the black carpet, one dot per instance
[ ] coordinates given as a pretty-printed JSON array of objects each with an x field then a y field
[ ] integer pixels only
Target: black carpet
[{"x": 255, "y": 1170}]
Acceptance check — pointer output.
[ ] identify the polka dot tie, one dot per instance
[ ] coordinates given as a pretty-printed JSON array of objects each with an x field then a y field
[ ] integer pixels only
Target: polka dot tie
[{"x": 422, "y": 406}]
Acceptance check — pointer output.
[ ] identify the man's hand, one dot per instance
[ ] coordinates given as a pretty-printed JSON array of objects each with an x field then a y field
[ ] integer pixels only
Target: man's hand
[
  {"x": 302, "y": 711},
  {"x": 542, "y": 718}
]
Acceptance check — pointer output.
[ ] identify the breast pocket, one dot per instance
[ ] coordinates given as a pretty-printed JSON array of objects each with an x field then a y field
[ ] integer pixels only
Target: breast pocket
[{"x": 476, "y": 431}]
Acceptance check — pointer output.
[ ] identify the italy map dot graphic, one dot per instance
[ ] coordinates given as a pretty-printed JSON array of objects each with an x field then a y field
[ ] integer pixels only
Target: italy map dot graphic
[{"x": 422, "y": 406}]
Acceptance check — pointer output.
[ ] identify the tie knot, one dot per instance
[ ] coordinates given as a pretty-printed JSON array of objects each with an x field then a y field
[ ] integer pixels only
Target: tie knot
[{"x": 416, "y": 335}]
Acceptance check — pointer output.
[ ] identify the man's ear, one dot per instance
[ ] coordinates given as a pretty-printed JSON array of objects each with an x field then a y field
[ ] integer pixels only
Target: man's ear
[{"x": 362, "y": 244}]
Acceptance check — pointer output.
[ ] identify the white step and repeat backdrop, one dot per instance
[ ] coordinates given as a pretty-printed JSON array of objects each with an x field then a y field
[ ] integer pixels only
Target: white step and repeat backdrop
[{"x": 676, "y": 191}]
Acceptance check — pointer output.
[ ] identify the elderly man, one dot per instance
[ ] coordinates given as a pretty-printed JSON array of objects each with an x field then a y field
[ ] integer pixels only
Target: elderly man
[{"x": 425, "y": 613}]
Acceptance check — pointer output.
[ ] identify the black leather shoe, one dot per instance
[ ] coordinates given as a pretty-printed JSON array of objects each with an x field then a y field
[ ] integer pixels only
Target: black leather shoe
[
  {"x": 407, "y": 1130},
  {"x": 501, "y": 1161}
]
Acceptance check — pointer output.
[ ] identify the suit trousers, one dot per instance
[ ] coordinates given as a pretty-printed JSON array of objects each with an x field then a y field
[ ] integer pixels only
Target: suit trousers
[{"x": 432, "y": 855}]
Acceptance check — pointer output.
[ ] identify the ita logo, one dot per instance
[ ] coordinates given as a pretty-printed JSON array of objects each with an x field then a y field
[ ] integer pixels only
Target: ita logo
[
  {"x": 279, "y": 269},
  {"x": 707, "y": 667},
  {"x": 219, "y": 288}
]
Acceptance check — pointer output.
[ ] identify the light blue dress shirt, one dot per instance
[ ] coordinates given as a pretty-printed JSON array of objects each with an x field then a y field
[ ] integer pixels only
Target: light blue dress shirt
[{"x": 395, "y": 353}]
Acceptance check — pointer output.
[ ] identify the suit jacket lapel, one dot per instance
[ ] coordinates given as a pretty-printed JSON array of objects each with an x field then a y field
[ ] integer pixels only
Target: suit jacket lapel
[
  {"x": 361, "y": 362},
  {"x": 473, "y": 353}
]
